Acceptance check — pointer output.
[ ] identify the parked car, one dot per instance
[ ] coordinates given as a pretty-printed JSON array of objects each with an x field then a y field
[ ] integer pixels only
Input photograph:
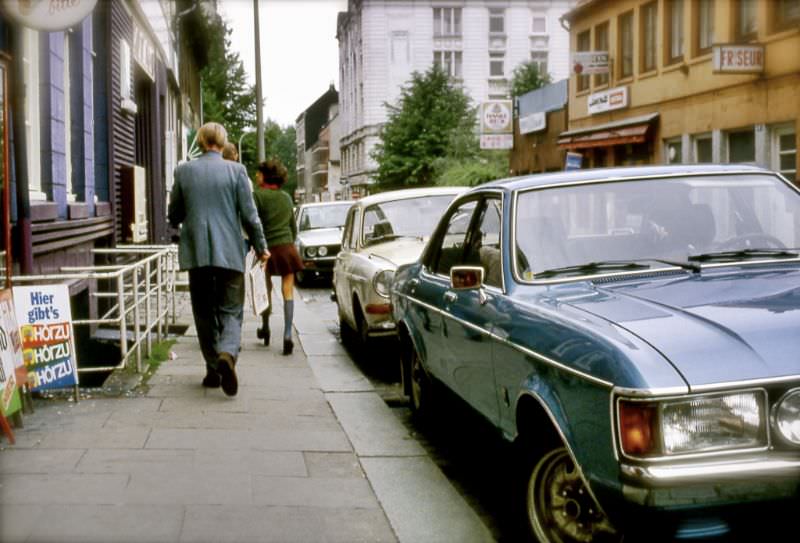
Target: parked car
[
  {"x": 635, "y": 331},
  {"x": 382, "y": 231},
  {"x": 319, "y": 237}
]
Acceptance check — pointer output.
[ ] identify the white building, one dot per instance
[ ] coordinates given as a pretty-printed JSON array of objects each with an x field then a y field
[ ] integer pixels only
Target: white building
[{"x": 480, "y": 42}]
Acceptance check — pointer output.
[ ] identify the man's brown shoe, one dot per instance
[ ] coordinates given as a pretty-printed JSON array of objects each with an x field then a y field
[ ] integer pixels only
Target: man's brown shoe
[{"x": 227, "y": 373}]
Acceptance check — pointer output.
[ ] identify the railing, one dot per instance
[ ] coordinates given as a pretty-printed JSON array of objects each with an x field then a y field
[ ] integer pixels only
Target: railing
[{"x": 143, "y": 295}]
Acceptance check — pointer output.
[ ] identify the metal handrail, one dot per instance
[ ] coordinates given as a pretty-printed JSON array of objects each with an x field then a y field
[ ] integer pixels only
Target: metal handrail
[{"x": 135, "y": 286}]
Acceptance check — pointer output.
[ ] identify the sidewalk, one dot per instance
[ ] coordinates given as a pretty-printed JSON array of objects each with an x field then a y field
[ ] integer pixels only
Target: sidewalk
[{"x": 305, "y": 452}]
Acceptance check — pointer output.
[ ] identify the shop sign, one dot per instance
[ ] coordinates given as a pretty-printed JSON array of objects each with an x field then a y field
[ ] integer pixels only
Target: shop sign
[
  {"x": 616, "y": 98},
  {"x": 497, "y": 141},
  {"x": 45, "y": 325},
  {"x": 533, "y": 122},
  {"x": 738, "y": 59},
  {"x": 144, "y": 52},
  {"x": 496, "y": 117},
  {"x": 590, "y": 62},
  {"x": 10, "y": 352},
  {"x": 48, "y": 15},
  {"x": 573, "y": 161}
]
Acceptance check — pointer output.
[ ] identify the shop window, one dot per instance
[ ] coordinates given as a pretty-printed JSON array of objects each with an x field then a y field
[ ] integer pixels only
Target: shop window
[
  {"x": 649, "y": 29},
  {"x": 703, "y": 153},
  {"x": 673, "y": 150},
  {"x": 742, "y": 147},
  {"x": 601, "y": 44},
  {"x": 704, "y": 26},
  {"x": 784, "y": 151},
  {"x": 674, "y": 32},
  {"x": 745, "y": 20},
  {"x": 584, "y": 44},
  {"x": 625, "y": 24}
]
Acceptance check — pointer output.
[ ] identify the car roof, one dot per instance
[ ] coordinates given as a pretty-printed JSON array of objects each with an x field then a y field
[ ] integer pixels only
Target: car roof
[
  {"x": 336, "y": 202},
  {"x": 632, "y": 172},
  {"x": 403, "y": 194}
]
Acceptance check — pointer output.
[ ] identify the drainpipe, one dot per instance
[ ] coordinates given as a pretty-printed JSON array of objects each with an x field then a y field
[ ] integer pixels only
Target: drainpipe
[{"x": 21, "y": 160}]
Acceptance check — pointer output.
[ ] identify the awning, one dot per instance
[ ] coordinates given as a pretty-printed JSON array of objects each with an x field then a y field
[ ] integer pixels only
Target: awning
[{"x": 633, "y": 130}]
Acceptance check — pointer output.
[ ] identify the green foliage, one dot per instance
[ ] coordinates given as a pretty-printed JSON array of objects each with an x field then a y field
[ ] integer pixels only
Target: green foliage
[
  {"x": 526, "y": 77},
  {"x": 470, "y": 171},
  {"x": 431, "y": 119}
]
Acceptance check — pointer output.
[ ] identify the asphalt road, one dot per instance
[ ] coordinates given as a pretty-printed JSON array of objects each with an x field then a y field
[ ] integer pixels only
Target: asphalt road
[{"x": 469, "y": 452}]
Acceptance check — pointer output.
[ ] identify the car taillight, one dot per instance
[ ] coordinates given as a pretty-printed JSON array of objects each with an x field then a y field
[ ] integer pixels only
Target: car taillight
[{"x": 637, "y": 422}]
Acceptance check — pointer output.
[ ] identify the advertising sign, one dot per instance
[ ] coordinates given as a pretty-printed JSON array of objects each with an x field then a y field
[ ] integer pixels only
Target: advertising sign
[
  {"x": 600, "y": 102},
  {"x": 496, "y": 117},
  {"x": 738, "y": 59},
  {"x": 573, "y": 161},
  {"x": 497, "y": 141},
  {"x": 45, "y": 325},
  {"x": 10, "y": 352},
  {"x": 590, "y": 62},
  {"x": 50, "y": 15},
  {"x": 533, "y": 122}
]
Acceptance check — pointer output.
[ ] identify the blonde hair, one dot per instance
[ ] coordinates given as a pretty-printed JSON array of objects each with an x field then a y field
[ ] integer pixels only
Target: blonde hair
[
  {"x": 229, "y": 152},
  {"x": 212, "y": 135}
]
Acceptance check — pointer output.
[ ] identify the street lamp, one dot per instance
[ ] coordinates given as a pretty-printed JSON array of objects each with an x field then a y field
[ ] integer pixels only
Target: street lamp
[{"x": 240, "y": 143}]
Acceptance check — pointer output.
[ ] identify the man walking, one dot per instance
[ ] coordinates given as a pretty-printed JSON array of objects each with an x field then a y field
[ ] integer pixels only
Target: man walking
[{"x": 212, "y": 199}]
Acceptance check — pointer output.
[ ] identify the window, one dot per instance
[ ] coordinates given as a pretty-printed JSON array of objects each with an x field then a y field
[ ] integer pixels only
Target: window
[
  {"x": 784, "y": 151},
  {"x": 446, "y": 22},
  {"x": 539, "y": 58},
  {"x": 675, "y": 21},
  {"x": 497, "y": 21},
  {"x": 626, "y": 45},
  {"x": 30, "y": 60},
  {"x": 673, "y": 149},
  {"x": 451, "y": 251},
  {"x": 449, "y": 61},
  {"x": 496, "y": 64},
  {"x": 742, "y": 147},
  {"x": 702, "y": 149},
  {"x": 704, "y": 26},
  {"x": 746, "y": 20},
  {"x": 539, "y": 24},
  {"x": 584, "y": 44},
  {"x": 484, "y": 243},
  {"x": 601, "y": 44},
  {"x": 787, "y": 13},
  {"x": 649, "y": 19}
]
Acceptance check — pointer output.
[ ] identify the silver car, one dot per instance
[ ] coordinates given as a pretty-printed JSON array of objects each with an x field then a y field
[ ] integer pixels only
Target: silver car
[
  {"x": 382, "y": 232},
  {"x": 319, "y": 236}
]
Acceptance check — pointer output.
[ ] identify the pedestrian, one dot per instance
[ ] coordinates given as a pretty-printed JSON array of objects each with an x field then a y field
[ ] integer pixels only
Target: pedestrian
[
  {"x": 276, "y": 210},
  {"x": 229, "y": 152},
  {"x": 212, "y": 200}
]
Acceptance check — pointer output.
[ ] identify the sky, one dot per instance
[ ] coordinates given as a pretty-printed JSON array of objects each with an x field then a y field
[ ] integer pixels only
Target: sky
[{"x": 299, "y": 51}]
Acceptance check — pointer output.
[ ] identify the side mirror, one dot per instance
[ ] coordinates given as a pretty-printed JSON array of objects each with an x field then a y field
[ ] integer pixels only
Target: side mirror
[{"x": 466, "y": 277}]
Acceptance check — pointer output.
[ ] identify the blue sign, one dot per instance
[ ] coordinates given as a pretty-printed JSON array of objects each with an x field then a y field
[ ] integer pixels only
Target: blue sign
[{"x": 573, "y": 161}]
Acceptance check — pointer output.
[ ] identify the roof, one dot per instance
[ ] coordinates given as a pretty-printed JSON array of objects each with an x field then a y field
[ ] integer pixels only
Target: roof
[
  {"x": 548, "y": 98},
  {"x": 578, "y": 10},
  {"x": 403, "y": 194},
  {"x": 632, "y": 172},
  {"x": 333, "y": 203}
]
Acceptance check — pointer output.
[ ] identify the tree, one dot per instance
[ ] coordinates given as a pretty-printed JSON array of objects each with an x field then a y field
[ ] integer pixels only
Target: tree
[
  {"x": 527, "y": 77},
  {"x": 431, "y": 116}
]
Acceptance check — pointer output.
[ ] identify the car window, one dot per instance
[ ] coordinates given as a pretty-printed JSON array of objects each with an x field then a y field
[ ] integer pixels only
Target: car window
[
  {"x": 409, "y": 217},
  {"x": 348, "y": 228},
  {"x": 451, "y": 246},
  {"x": 324, "y": 216},
  {"x": 483, "y": 242}
]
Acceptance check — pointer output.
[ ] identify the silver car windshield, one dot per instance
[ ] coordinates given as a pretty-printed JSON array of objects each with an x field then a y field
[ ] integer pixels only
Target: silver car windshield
[
  {"x": 409, "y": 217},
  {"x": 332, "y": 216},
  {"x": 686, "y": 219}
]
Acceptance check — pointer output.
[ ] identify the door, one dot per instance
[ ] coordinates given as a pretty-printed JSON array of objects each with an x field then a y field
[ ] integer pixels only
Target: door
[{"x": 342, "y": 268}]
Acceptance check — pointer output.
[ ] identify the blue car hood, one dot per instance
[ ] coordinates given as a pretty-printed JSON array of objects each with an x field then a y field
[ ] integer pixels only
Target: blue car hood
[{"x": 719, "y": 326}]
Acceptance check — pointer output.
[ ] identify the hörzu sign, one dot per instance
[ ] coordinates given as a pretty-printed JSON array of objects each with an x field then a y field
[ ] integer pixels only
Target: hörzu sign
[
  {"x": 738, "y": 59},
  {"x": 616, "y": 98},
  {"x": 533, "y": 122},
  {"x": 49, "y": 15},
  {"x": 590, "y": 62}
]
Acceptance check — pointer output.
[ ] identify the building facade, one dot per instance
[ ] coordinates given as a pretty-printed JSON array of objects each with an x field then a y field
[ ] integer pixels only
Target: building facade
[
  {"x": 479, "y": 42},
  {"x": 541, "y": 118},
  {"x": 316, "y": 165},
  {"x": 701, "y": 81}
]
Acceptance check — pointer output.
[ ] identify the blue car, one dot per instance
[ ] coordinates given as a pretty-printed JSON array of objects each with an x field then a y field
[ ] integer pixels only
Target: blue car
[{"x": 635, "y": 331}]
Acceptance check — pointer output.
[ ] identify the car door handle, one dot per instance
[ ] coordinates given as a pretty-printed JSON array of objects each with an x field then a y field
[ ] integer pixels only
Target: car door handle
[{"x": 450, "y": 297}]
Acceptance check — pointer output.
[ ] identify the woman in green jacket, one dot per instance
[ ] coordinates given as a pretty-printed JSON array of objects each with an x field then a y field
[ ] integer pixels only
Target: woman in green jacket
[{"x": 276, "y": 211}]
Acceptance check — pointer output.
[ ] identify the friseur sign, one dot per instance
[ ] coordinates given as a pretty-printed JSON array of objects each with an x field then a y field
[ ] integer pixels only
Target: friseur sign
[{"x": 738, "y": 59}]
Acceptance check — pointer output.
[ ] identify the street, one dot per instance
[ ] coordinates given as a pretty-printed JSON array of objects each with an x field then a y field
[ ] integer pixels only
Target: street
[{"x": 468, "y": 451}]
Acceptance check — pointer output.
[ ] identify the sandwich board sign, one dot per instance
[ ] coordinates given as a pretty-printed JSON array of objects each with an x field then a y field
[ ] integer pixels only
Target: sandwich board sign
[{"x": 10, "y": 355}]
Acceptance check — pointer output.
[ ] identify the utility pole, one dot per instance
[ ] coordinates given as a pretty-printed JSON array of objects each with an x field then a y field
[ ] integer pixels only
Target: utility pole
[{"x": 259, "y": 100}]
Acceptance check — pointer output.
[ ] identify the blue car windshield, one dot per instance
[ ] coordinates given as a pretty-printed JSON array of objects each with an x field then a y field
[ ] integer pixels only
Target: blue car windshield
[
  {"x": 323, "y": 216},
  {"x": 671, "y": 219}
]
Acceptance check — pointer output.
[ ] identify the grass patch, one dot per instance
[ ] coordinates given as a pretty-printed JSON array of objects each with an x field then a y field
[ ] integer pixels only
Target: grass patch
[{"x": 158, "y": 354}]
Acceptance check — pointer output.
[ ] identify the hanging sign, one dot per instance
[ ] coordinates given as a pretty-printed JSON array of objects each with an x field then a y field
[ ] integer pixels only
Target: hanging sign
[
  {"x": 48, "y": 347},
  {"x": 497, "y": 125},
  {"x": 10, "y": 353},
  {"x": 590, "y": 62},
  {"x": 533, "y": 122},
  {"x": 49, "y": 15}
]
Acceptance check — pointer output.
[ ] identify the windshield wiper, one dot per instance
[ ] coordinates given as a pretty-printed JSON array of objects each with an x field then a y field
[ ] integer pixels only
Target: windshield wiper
[
  {"x": 593, "y": 267},
  {"x": 743, "y": 254}
]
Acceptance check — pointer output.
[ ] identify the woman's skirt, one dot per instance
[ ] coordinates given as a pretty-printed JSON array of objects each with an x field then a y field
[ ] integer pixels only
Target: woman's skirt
[{"x": 284, "y": 260}]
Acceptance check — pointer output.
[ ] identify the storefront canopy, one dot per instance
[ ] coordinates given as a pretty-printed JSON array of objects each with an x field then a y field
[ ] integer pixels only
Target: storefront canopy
[{"x": 633, "y": 130}]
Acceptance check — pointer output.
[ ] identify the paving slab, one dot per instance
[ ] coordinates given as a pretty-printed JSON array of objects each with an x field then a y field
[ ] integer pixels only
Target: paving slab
[
  {"x": 314, "y": 492},
  {"x": 337, "y": 373}
]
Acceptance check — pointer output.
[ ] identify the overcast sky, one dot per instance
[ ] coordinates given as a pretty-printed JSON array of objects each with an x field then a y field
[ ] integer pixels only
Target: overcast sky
[{"x": 299, "y": 51}]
